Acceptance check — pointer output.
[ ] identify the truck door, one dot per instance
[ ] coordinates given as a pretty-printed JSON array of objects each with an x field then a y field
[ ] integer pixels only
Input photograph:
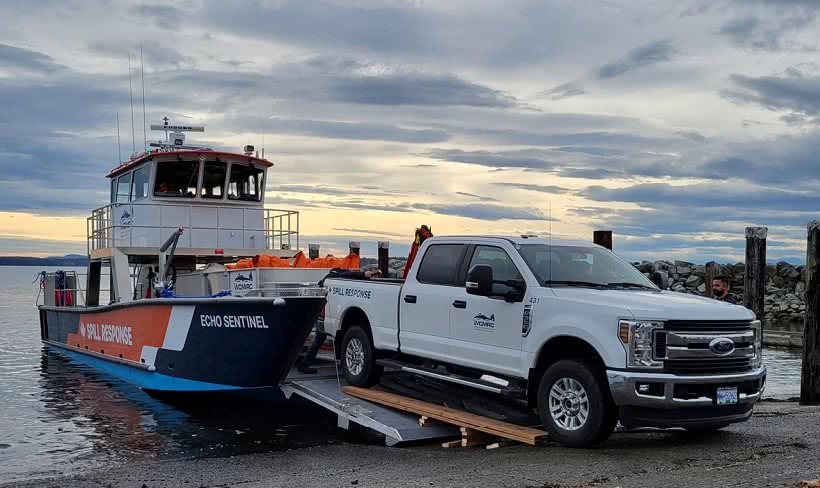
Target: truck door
[
  {"x": 485, "y": 332},
  {"x": 425, "y": 301}
]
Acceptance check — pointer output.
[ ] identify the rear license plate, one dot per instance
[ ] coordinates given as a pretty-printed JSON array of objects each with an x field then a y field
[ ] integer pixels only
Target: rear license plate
[{"x": 727, "y": 395}]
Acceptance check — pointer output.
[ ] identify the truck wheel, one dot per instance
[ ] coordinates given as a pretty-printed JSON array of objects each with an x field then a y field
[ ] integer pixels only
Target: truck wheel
[
  {"x": 359, "y": 358},
  {"x": 575, "y": 405}
]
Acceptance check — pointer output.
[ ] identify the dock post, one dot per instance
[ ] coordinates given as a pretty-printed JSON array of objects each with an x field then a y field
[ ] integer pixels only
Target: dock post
[
  {"x": 355, "y": 248},
  {"x": 712, "y": 270},
  {"x": 810, "y": 376},
  {"x": 384, "y": 251},
  {"x": 754, "y": 282},
  {"x": 603, "y": 238},
  {"x": 313, "y": 251}
]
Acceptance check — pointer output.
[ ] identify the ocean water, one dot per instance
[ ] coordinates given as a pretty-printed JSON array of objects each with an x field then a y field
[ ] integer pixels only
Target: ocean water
[{"x": 57, "y": 416}]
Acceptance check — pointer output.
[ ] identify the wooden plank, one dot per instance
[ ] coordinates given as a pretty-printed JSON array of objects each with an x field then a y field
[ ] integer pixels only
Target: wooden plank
[
  {"x": 450, "y": 444},
  {"x": 487, "y": 425},
  {"x": 503, "y": 443},
  {"x": 457, "y": 417},
  {"x": 472, "y": 438}
]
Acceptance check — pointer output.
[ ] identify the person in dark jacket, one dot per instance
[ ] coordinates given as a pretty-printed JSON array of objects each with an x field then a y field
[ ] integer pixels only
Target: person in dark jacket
[
  {"x": 720, "y": 290},
  {"x": 320, "y": 337}
]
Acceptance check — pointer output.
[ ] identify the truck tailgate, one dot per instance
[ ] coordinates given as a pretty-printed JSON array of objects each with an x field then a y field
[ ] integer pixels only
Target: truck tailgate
[{"x": 379, "y": 300}]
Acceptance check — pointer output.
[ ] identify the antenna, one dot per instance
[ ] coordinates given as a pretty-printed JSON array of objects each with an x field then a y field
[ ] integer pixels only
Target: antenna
[
  {"x": 119, "y": 148},
  {"x": 131, "y": 94},
  {"x": 144, "y": 130}
]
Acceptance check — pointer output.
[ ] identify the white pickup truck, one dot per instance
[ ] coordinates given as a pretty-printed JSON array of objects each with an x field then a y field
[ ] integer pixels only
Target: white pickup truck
[{"x": 567, "y": 325}]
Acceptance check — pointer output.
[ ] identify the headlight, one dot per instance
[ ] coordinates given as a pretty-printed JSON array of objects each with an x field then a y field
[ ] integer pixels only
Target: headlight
[
  {"x": 758, "y": 329},
  {"x": 638, "y": 338}
]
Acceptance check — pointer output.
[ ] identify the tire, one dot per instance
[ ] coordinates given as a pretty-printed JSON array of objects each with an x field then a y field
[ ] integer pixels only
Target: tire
[
  {"x": 579, "y": 388},
  {"x": 359, "y": 358}
]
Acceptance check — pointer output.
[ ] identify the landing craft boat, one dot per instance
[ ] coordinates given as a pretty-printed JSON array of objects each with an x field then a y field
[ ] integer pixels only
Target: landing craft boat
[{"x": 179, "y": 318}]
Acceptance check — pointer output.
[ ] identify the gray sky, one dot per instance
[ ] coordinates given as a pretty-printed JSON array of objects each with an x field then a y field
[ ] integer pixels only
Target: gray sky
[{"x": 675, "y": 124}]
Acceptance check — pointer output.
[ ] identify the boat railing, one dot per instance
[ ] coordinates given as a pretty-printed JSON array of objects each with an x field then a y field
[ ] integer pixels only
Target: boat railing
[{"x": 132, "y": 224}]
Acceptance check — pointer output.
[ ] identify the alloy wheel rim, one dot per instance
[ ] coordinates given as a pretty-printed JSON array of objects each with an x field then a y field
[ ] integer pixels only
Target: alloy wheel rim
[
  {"x": 569, "y": 404},
  {"x": 354, "y": 356}
]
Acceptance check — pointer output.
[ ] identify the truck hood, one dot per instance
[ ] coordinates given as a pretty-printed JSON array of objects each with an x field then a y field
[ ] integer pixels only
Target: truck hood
[{"x": 649, "y": 305}]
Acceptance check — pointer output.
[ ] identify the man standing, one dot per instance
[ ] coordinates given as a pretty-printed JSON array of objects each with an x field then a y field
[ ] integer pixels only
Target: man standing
[{"x": 720, "y": 289}]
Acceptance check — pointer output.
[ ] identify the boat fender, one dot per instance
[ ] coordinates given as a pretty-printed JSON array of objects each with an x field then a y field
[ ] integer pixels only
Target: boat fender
[{"x": 279, "y": 302}]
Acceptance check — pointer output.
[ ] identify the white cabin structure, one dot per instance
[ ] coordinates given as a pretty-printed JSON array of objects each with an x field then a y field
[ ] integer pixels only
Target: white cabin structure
[{"x": 215, "y": 197}]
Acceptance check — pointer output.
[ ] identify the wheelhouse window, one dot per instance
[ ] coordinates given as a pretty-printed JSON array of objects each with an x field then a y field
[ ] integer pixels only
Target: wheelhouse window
[
  {"x": 123, "y": 187},
  {"x": 176, "y": 179},
  {"x": 139, "y": 185},
  {"x": 245, "y": 183},
  {"x": 213, "y": 179}
]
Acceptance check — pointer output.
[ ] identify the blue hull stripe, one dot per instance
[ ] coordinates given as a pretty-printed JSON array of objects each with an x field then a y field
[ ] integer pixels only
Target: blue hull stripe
[{"x": 146, "y": 380}]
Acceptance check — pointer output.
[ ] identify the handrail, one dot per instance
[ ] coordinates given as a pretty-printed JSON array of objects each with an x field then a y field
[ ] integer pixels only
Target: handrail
[{"x": 101, "y": 230}]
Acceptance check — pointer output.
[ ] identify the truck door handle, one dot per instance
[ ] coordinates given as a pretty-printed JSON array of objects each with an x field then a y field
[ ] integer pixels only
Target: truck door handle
[
  {"x": 460, "y": 304},
  {"x": 410, "y": 298}
]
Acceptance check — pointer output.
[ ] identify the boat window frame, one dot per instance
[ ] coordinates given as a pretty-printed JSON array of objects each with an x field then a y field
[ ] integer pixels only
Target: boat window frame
[
  {"x": 225, "y": 180},
  {"x": 155, "y": 175},
  {"x": 146, "y": 167},
  {"x": 261, "y": 187},
  {"x": 127, "y": 195}
]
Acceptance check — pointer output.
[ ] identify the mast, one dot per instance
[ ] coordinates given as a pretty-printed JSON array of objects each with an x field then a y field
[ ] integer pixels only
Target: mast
[
  {"x": 144, "y": 129},
  {"x": 131, "y": 94}
]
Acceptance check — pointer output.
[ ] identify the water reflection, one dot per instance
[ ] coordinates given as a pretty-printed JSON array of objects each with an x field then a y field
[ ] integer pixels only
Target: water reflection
[{"x": 89, "y": 417}]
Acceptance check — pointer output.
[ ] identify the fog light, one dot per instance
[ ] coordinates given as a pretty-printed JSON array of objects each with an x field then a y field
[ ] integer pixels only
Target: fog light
[
  {"x": 650, "y": 389},
  {"x": 643, "y": 388}
]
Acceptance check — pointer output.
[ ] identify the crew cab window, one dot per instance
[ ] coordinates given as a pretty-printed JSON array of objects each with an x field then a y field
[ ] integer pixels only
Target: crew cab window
[
  {"x": 438, "y": 266},
  {"x": 213, "y": 179},
  {"x": 139, "y": 187},
  {"x": 176, "y": 179},
  {"x": 123, "y": 187},
  {"x": 503, "y": 267},
  {"x": 245, "y": 183}
]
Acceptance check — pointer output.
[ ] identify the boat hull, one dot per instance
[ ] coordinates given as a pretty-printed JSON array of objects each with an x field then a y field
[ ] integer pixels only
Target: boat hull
[{"x": 187, "y": 345}]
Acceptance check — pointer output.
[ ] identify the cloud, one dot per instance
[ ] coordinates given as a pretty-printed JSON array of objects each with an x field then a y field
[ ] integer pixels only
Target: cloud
[
  {"x": 512, "y": 159},
  {"x": 553, "y": 189},
  {"x": 641, "y": 57},
  {"x": 692, "y": 135},
  {"x": 15, "y": 58},
  {"x": 478, "y": 197},
  {"x": 355, "y": 131},
  {"x": 799, "y": 94},
  {"x": 567, "y": 90},
  {"x": 163, "y": 16},
  {"x": 706, "y": 195},
  {"x": 768, "y": 29},
  {"x": 417, "y": 89},
  {"x": 484, "y": 211},
  {"x": 367, "y": 232}
]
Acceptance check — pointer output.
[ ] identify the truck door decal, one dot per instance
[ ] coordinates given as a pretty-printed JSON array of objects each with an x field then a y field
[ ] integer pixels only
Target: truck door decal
[{"x": 482, "y": 322}]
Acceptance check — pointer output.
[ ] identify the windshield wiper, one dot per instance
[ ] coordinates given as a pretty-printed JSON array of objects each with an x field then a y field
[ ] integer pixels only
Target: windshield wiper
[
  {"x": 631, "y": 285},
  {"x": 586, "y": 284}
]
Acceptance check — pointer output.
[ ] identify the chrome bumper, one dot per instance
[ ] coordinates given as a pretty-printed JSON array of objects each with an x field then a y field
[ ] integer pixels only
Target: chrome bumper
[
  {"x": 623, "y": 385},
  {"x": 668, "y": 411}
]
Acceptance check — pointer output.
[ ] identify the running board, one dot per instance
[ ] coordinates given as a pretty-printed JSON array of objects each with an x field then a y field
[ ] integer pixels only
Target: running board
[{"x": 452, "y": 378}]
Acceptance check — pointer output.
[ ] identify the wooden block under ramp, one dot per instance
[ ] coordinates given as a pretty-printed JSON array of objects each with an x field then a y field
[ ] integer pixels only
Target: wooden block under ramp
[{"x": 526, "y": 435}]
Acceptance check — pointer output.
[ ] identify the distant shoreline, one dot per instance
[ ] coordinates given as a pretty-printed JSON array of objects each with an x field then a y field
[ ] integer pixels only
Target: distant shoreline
[{"x": 49, "y": 261}]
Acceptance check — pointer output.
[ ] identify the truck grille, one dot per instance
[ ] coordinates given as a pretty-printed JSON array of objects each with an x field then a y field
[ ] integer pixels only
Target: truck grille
[{"x": 684, "y": 346}]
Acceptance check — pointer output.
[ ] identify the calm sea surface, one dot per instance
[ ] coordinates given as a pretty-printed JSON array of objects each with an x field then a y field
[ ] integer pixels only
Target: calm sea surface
[{"x": 57, "y": 416}]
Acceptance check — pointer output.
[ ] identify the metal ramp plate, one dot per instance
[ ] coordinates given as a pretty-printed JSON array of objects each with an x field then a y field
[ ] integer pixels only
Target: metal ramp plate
[{"x": 397, "y": 427}]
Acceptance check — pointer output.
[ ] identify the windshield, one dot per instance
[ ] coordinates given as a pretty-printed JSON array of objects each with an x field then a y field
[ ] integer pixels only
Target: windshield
[{"x": 581, "y": 266}]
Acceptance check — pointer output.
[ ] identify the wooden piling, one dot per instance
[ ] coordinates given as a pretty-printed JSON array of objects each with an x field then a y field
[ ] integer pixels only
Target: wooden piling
[
  {"x": 754, "y": 284},
  {"x": 810, "y": 377},
  {"x": 313, "y": 251},
  {"x": 712, "y": 270},
  {"x": 384, "y": 251},
  {"x": 603, "y": 238},
  {"x": 355, "y": 247}
]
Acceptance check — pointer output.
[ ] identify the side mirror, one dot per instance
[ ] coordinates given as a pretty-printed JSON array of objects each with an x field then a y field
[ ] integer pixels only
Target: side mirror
[
  {"x": 480, "y": 280},
  {"x": 517, "y": 292}
]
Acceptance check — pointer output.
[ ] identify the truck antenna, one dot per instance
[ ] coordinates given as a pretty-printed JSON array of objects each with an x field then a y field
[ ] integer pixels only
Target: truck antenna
[{"x": 550, "y": 224}]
